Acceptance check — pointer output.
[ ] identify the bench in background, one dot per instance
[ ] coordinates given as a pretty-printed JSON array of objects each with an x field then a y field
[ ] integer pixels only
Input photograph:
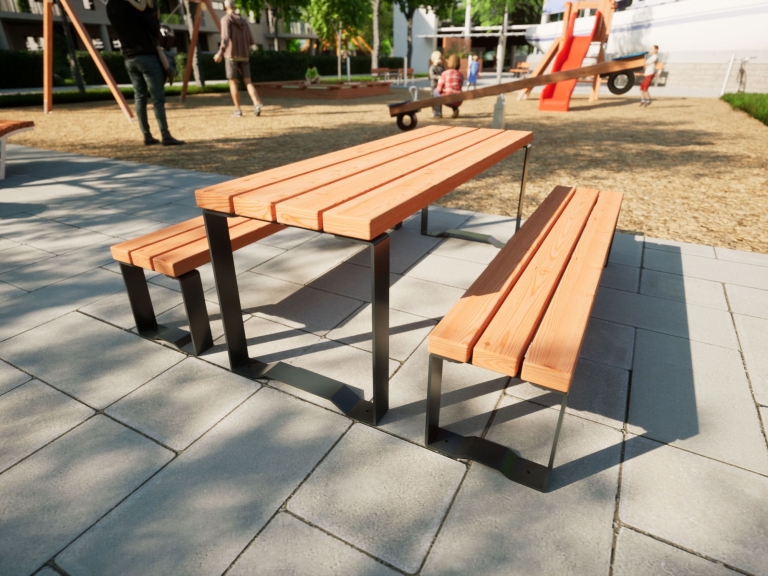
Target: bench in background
[{"x": 9, "y": 128}]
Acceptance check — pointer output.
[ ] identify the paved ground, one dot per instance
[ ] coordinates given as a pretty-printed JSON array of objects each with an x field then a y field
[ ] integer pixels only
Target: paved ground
[{"x": 119, "y": 455}]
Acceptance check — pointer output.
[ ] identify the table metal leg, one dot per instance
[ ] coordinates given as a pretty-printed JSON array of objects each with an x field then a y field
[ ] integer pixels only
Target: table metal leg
[
  {"x": 523, "y": 181},
  {"x": 380, "y": 324}
]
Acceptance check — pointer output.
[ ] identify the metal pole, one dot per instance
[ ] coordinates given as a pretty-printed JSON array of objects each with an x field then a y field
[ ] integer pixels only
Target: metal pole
[
  {"x": 380, "y": 325},
  {"x": 727, "y": 74}
]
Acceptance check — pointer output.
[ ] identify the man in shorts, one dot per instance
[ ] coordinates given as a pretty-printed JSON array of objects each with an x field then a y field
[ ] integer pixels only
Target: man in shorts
[
  {"x": 650, "y": 72},
  {"x": 236, "y": 42}
]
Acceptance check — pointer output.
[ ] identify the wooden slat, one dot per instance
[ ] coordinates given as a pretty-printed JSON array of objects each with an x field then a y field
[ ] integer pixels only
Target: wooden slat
[
  {"x": 552, "y": 356},
  {"x": 182, "y": 260},
  {"x": 144, "y": 256},
  {"x": 122, "y": 252},
  {"x": 261, "y": 203},
  {"x": 502, "y": 345},
  {"x": 219, "y": 197},
  {"x": 307, "y": 210},
  {"x": 372, "y": 214},
  {"x": 8, "y": 126},
  {"x": 457, "y": 333}
]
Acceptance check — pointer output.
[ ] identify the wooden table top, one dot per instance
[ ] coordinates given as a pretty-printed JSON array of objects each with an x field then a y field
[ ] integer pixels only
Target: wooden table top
[{"x": 363, "y": 191}]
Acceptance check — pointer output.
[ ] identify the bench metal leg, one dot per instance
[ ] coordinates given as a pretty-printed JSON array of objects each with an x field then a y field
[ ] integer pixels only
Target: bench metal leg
[
  {"x": 2, "y": 157},
  {"x": 138, "y": 296},
  {"x": 197, "y": 313},
  {"x": 380, "y": 324},
  {"x": 497, "y": 456},
  {"x": 523, "y": 182}
]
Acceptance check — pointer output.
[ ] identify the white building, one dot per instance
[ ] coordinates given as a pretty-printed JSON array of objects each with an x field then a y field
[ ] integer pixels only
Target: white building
[{"x": 425, "y": 22}]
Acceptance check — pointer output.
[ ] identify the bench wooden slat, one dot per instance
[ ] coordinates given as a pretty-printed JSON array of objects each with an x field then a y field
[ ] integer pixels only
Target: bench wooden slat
[
  {"x": 457, "y": 333},
  {"x": 182, "y": 260},
  {"x": 8, "y": 126},
  {"x": 502, "y": 345},
  {"x": 219, "y": 197},
  {"x": 307, "y": 210},
  {"x": 144, "y": 256},
  {"x": 552, "y": 356},
  {"x": 262, "y": 203},
  {"x": 122, "y": 252},
  {"x": 372, "y": 214}
]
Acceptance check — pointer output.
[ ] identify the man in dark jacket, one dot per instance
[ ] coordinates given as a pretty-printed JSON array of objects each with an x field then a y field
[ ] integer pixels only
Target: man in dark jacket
[
  {"x": 138, "y": 29},
  {"x": 235, "y": 49}
]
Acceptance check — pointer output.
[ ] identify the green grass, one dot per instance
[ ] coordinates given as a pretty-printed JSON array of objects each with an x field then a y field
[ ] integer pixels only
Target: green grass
[
  {"x": 756, "y": 105},
  {"x": 97, "y": 94}
]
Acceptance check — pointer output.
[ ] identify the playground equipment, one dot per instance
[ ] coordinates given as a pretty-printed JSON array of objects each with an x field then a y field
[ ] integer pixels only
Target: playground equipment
[
  {"x": 612, "y": 69},
  {"x": 203, "y": 5},
  {"x": 86, "y": 38}
]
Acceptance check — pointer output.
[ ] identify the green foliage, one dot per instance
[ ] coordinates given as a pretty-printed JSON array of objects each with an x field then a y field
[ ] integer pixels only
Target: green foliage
[
  {"x": 491, "y": 12},
  {"x": 21, "y": 69},
  {"x": 114, "y": 61},
  {"x": 285, "y": 10},
  {"x": 756, "y": 105},
  {"x": 23, "y": 6},
  {"x": 326, "y": 15}
]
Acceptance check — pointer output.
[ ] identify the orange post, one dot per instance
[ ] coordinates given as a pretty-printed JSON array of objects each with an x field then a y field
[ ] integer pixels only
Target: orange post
[
  {"x": 191, "y": 52},
  {"x": 47, "y": 56}
]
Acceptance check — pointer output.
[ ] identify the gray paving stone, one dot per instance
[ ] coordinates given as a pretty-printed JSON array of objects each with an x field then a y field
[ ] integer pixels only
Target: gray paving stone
[
  {"x": 55, "y": 494},
  {"x": 7, "y": 291},
  {"x": 748, "y": 301},
  {"x": 499, "y": 527},
  {"x": 183, "y": 403},
  {"x": 201, "y": 511},
  {"x": 169, "y": 213},
  {"x": 422, "y": 298},
  {"x": 11, "y": 377},
  {"x": 666, "y": 316},
  {"x": 94, "y": 362},
  {"x": 708, "y": 268},
  {"x": 638, "y": 554},
  {"x": 349, "y": 280},
  {"x": 116, "y": 309},
  {"x": 753, "y": 335},
  {"x": 21, "y": 256},
  {"x": 405, "y": 249},
  {"x": 309, "y": 260},
  {"x": 31, "y": 416},
  {"x": 105, "y": 221},
  {"x": 72, "y": 240},
  {"x": 621, "y": 277},
  {"x": 477, "y": 252},
  {"x": 683, "y": 289},
  {"x": 52, "y": 270},
  {"x": 679, "y": 396},
  {"x": 609, "y": 343},
  {"x": 627, "y": 250},
  {"x": 154, "y": 227},
  {"x": 440, "y": 218},
  {"x": 176, "y": 317},
  {"x": 26, "y": 228},
  {"x": 703, "y": 505},
  {"x": 502, "y": 228},
  {"x": 47, "y": 572},
  {"x": 406, "y": 332},
  {"x": 33, "y": 309},
  {"x": 144, "y": 202},
  {"x": 289, "y": 238},
  {"x": 294, "y": 305},
  {"x": 5, "y": 244},
  {"x": 448, "y": 271},
  {"x": 469, "y": 396},
  {"x": 383, "y": 495},
  {"x": 741, "y": 256},
  {"x": 676, "y": 247},
  {"x": 598, "y": 393},
  {"x": 289, "y": 546}
]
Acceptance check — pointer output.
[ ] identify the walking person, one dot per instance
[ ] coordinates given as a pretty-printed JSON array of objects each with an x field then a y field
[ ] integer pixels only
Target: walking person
[
  {"x": 138, "y": 29},
  {"x": 474, "y": 72},
  {"x": 436, "y": 68},
  {"x": 451, "y": 82},
  {"x": 235, "y": 48},
  {"x": 650, "y": 72}
]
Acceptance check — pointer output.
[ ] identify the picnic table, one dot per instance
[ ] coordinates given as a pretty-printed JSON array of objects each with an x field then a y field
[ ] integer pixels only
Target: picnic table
[{"x": 357, "y": 194}]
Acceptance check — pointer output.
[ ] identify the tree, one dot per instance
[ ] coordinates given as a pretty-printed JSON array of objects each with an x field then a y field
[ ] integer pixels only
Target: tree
[
  {"x": 285, "y": 10},
  {"x": 375, "y": 5},
  {"x": 408, "y": 8},
  {"x": 491, "y": 12},
  {"x": 330, "y": 18}
]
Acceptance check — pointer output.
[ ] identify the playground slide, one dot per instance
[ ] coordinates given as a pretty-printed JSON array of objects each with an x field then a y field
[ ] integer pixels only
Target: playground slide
[{"x": 557, "y": 97}]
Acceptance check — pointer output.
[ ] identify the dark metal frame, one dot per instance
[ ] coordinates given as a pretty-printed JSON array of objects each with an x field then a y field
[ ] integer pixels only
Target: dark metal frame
[
  {"x": 497, "y": 456},
  {"x": 340, "y": 394},
  {"x": 194, "y": 304},
  {"x": 474, "y": 236}
]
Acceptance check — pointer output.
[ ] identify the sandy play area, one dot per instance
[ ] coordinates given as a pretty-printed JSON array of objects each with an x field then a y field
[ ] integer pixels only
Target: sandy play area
[{"x": 691, "y": 169}]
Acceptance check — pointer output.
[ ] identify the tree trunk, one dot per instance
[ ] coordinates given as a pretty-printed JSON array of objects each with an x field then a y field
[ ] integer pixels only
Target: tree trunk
[
  {"x": 376, "y": 42},
  {"x": 272, "y": 21},
  {"x": 191, "y": 27},
  {"x": 409, "y": 34},
  {"x": 338, "y": 50},
  {"x": 501, "y": 53}
]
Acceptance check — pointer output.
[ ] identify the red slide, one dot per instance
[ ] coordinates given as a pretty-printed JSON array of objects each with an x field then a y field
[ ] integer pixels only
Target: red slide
[{"x": 557, "y": 97}]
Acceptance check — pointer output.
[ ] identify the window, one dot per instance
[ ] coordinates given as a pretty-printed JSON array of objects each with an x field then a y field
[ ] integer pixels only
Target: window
[
  {"x": 218, "y": 6},
  {"x": 89, "y": 5}
]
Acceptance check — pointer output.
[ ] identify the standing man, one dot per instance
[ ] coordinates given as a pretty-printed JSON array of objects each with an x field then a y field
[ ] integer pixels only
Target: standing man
[
  {"x": 236, "y": 42},
  {"x": 650, "y": 72},
  {"x": 138, "y": 29}
]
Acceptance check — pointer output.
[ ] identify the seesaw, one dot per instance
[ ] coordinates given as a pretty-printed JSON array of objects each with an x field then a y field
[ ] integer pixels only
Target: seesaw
[{"x": 612, "y": 69}]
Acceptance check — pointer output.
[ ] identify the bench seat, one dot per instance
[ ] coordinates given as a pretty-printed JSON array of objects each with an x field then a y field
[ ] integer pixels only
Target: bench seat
[
  {"x": 526, "y": 315},
  {"x": 9, "y": 128},
  {"x": 177, "y": 251}
]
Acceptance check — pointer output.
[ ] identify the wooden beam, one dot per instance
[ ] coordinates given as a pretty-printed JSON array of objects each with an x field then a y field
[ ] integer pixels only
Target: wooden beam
[
  {"x": 97, "y": 59},
  {"x": 191, "y": 52},
  {"x": 47, "y": 56},
  {"x": 541, "y": 67},
  {"x": 594, "y": 70}
]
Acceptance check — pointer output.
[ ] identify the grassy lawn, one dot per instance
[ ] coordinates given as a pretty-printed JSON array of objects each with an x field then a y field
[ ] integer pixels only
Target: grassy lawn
[{"x": 755, "y": 105}]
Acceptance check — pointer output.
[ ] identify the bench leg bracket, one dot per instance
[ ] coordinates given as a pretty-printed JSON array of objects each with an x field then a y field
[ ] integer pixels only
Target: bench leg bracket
[{"x": 496, "y": 456}]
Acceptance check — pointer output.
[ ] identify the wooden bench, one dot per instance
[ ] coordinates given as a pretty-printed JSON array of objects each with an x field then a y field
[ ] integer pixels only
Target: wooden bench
[
  {"x": 526, "y": 315},
  {"x": 177, "y": 251},
  {"x": 380, "y": 73},
  {"x": 522, "y": 69},
  {"x": 9, "y": 128}
]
